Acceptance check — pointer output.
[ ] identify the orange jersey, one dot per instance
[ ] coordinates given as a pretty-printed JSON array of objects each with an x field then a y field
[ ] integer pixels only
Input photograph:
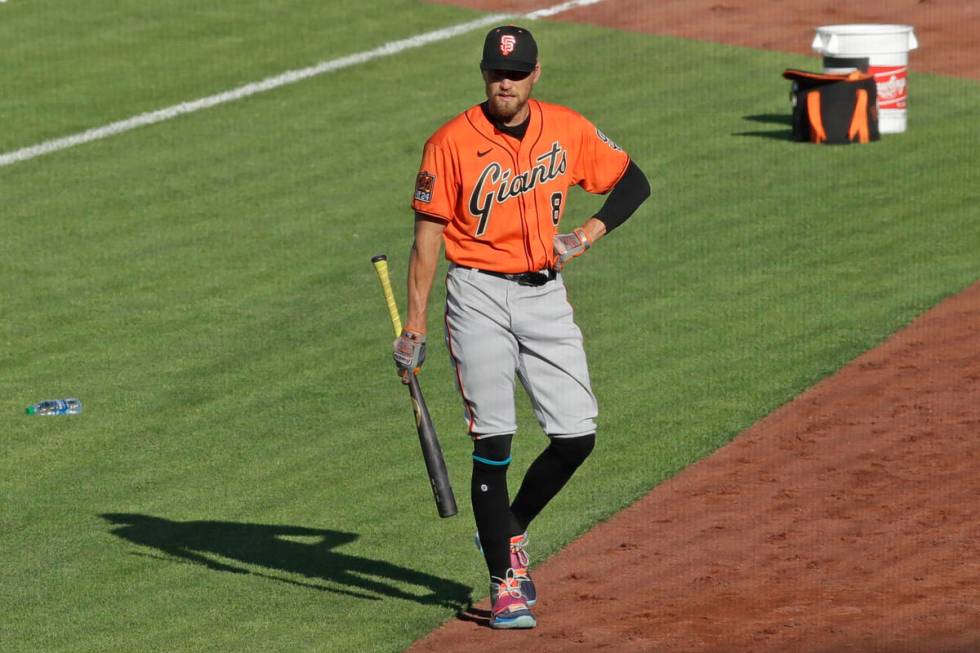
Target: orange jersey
[{"x": 503, "y": 198}]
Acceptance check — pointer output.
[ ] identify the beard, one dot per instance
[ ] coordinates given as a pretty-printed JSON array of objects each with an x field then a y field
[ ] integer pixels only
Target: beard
[{"x": 505, "y": 109}]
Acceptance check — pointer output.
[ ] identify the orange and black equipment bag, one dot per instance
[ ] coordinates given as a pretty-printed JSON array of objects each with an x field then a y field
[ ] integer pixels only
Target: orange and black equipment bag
[{"x": 830, "y": 108}]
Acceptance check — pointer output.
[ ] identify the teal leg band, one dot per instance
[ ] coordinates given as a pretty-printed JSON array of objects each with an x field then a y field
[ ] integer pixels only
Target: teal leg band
[{"x": 487, "y": 461}]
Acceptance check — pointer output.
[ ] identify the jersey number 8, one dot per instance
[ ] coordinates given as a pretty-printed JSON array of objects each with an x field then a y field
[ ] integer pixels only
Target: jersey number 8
[{"x": 556, "y": 207}]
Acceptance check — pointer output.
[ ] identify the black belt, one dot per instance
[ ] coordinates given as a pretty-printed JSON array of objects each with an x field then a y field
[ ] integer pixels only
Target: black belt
[{"x": 523, "y": 278}]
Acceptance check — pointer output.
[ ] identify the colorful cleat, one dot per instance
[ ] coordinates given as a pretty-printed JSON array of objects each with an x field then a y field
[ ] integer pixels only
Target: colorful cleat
[
  {"x": 520, "y": 562},
  {"x": 510, "y": 609}
]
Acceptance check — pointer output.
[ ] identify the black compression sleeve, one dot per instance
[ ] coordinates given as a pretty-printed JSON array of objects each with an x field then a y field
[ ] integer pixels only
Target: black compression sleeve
[{"x": 625, "y": 197}]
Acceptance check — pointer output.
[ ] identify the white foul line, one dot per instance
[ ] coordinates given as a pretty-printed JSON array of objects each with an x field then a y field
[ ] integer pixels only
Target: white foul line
[
  {"x": 557, "y": 9},
  {"x": 270, "y": 83}
]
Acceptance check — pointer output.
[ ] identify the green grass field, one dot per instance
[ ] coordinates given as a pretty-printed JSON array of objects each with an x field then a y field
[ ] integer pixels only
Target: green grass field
[{"x": 246, "y": 476}]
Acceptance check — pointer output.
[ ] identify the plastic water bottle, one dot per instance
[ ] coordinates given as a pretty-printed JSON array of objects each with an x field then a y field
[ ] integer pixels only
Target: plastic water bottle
[{"x": 69, "y": 406}]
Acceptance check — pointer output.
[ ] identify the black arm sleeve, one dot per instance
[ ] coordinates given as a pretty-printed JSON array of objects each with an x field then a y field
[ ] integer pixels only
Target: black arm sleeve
[{"x": 625, "y": 197}]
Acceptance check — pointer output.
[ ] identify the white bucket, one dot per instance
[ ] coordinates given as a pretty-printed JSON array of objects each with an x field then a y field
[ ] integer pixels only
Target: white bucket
[{"x": 884, "y": 50}]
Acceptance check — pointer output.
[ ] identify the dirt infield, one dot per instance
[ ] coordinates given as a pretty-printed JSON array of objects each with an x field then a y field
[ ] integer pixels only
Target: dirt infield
[
  {"x": 844, "y": 521},
  {"x": 947, "y": 30}
]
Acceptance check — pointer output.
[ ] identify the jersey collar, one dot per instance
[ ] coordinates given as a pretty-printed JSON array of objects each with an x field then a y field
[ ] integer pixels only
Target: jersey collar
[
  {"x": 480, "y": 120},
  {"x": 483, "y": 125}
]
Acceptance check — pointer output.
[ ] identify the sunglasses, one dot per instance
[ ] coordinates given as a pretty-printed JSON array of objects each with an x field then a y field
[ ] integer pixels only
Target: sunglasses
[{"x": 495, "y": 75}]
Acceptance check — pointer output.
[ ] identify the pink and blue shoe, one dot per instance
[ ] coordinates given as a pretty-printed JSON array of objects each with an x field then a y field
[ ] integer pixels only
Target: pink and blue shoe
[
  {"x": 519, "y": 562},
  {"x": 509, "y": 605}
]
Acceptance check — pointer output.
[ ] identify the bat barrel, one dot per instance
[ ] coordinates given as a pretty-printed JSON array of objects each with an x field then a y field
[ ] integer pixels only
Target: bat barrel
[
  {"x": 435, "y": 463},
  {"x": 443, "y": 492}
]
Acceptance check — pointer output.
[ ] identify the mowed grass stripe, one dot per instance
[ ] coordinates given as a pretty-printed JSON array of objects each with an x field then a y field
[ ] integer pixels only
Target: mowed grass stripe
[
  {"x": 205, "y": 288},
  {"x": 272, "y": 83},
  {"x": 67, "y": 72}
]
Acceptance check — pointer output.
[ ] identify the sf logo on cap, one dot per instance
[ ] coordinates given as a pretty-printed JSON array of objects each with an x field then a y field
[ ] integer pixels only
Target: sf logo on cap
[{"x": 507, "y": 43}]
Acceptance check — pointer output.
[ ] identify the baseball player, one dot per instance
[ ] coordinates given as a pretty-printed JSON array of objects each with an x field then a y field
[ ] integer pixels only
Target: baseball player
[{"x": 492, "y": 188}]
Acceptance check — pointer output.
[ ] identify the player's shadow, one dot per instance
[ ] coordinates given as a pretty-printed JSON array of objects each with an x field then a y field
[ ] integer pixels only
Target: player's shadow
[
  {"x": 239, "y": 548},
  {"x": 478, "y": 616},
  {"x": 772, "y": 119}
]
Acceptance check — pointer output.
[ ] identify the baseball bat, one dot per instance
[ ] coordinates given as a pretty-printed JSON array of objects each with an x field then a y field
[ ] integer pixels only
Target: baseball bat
[{"x": 435, "y": 464}]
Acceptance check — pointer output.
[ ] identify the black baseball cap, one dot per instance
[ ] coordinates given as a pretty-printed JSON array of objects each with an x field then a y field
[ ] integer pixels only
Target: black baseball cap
[{"x": 509, "y": 48}]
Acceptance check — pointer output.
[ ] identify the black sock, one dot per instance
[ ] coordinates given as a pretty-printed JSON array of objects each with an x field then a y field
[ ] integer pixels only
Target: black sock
[
  {"x": 491, "y": 501},
  {"x": 546, "y": 476}
]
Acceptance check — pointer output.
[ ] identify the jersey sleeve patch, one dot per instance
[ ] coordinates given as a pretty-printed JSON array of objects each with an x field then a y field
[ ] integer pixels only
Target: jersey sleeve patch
[
  {"x": 608, "y": 141},
  {"x": 424, "y": 184}
]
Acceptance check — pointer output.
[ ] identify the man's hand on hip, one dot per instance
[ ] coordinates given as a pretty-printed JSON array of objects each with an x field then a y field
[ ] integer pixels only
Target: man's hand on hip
[{"x": 568, "y": 246}]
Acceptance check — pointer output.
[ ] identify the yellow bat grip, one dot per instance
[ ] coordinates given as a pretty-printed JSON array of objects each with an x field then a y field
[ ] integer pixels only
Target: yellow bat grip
[{"x": 381, "y": 267}]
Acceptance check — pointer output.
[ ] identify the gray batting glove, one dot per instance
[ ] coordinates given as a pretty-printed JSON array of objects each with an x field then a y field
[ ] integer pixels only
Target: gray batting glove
[
  {"x": 568, "y": 246},
  {"x": 409, "y": 353}
]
